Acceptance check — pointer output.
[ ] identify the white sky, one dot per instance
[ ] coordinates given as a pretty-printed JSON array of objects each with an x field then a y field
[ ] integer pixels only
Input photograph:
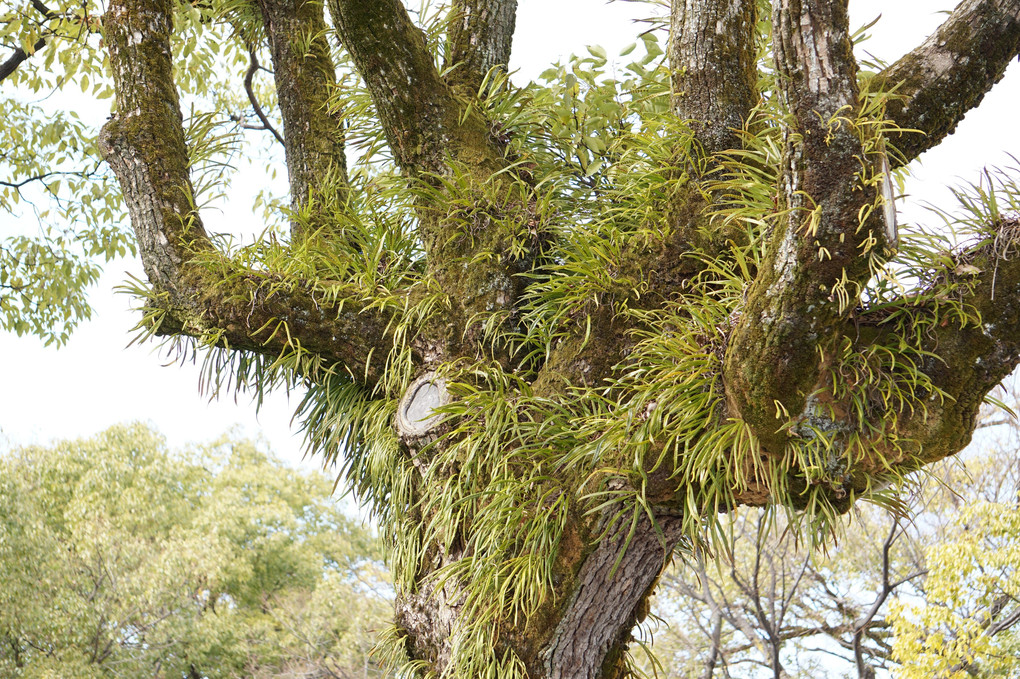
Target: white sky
[{"x": 95, "y": 381}]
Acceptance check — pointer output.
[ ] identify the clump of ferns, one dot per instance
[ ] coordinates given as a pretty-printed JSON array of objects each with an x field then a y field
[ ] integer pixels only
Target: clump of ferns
[
  {"x": 490, "y": 496},
  {"x": 933, "y": 275}
]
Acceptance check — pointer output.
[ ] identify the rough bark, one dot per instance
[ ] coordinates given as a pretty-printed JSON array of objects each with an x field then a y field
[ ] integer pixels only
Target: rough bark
[
  {"x": 966, "y": 362},
  {"x": 817, "y": 259},
  {"x": 417, "y": 109},
  {"x": 481, "y": 34},
  {"x": 305, "y": 78},
  {"x": 950, "y": 72},
  {"x": 431, "y": 129},
  {"x": 715, "y": 75},
  {"x": 608, "y": 599}
]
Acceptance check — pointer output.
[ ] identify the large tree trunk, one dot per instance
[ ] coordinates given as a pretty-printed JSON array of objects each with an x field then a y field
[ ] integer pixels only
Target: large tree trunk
[{"x": 549, "y": 579}]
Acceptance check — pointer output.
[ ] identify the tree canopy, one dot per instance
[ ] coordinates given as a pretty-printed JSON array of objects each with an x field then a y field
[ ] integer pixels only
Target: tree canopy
[
  {"x": 122, "y": 559},
  {"x": 553, "y": 334}
]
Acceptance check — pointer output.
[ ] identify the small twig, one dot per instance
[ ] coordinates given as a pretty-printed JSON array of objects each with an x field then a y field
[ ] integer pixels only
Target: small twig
[
  {"x": 249, "y": 76},
  {"x": 40, "y": 177}
]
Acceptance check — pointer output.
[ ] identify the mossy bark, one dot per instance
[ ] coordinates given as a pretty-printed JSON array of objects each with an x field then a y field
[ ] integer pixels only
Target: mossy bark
[
  {"x": 792, "y": 315},
  {"x": 715, "y": 77},
  {"x": 481, "y": 34},
  {"x": 818, "y": 258},
  {"x": 198, "y": 292},
  {"x": 949, "y": 73},
  {"x": 305, "y": 78}
]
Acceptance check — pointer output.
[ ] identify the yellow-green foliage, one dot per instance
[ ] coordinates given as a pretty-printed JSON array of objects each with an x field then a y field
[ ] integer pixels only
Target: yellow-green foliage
[
  {"x": 118, "y": 556},
  {"x": 962, "y": 627}
]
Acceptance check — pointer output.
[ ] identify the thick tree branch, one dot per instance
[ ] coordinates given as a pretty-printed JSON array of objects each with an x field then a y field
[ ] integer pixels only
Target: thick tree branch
[
  {"x": 418, "y": 110},
  {"x": 200, "y": 292},
  {"x": 818, "y": 255},
  {"x": 595, "y": 623},
  {"x": 967, "y": 362},
  {"x": 950, "y": 72},
  {"x": 713, "y": 59},
  {"x": 305, "y": 80},
  {"x": 431, "y": 130},
  {"x": 18, "y": 57},
  {"x": 481, "y": 34}
]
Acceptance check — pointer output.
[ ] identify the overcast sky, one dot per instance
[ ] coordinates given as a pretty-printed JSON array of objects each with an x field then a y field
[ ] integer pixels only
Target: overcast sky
[{"x": 95, "y": 381}]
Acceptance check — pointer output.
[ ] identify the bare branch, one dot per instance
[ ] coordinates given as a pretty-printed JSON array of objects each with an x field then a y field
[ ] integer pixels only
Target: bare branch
[
  {"x": 950, "y": 72},
  {"x": 861, "y": 627},
  {"x": 249, "y": 76}
]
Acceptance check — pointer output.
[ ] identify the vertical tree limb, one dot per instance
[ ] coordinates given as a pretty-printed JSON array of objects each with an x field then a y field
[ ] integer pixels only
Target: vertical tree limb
[
  {"x": 420, "y": 115},
  {"x": 145, "y": 146},
  {"x": 481, "y": 35},
  {"x": 305, "y": 77},
  {"x": 713, "y": 58},
  {"x": 818, "y": 255},
  {"x": 144, "y": 143}
]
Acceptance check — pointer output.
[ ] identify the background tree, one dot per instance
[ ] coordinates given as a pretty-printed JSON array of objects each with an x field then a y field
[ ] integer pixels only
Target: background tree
[
  {"x": 965, "y": 625},
  {"x": 871, "y": 604},
  {"x": 122, "y": 559},
  {"x": 63, "y": 207},
  {"x": 600, "y": 313}
]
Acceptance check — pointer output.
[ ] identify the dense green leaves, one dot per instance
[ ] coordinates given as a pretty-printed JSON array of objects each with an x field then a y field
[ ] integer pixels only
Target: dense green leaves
[{"x": 122, "y": 559}]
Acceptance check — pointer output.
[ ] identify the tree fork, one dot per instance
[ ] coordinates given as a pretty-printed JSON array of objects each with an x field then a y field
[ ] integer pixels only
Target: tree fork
[{"x": 197, "y": 290}]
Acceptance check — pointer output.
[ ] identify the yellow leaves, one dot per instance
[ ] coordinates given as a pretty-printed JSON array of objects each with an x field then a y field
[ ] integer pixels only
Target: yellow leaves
[{"x": 972, "y": 581}]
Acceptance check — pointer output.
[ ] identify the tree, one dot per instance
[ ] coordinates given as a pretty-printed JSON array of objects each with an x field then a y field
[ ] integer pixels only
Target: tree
[
  {"x": 872, "y": 604},
  {"x": 63, "y": 209},
  {"x": 965, "y": 625},
  {"x": 121, "y": 559},
  {"x": 553, "y": 334}
]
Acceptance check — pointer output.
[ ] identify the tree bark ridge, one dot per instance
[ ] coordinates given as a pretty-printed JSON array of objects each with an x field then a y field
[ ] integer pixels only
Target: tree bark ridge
[
  {"x": 481, "y": 35},
  {"x": 609, "y": 598}
]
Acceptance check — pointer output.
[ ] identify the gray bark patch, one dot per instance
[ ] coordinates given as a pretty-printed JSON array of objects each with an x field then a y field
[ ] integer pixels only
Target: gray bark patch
[{"x": 416, "y": 414}]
